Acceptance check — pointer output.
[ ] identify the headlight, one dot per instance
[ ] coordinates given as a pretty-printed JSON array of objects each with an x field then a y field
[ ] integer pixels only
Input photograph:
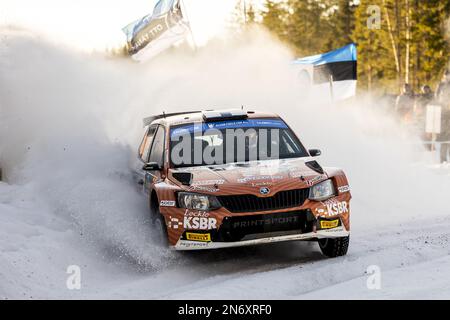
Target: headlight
[
  {"x": 322, "y": 191},
  {"x": 197, "y": 201}
]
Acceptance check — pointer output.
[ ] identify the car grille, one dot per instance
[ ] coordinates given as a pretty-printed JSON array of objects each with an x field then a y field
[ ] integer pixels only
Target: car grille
[
  {"x": 237, "y": 228},
  {"x": 252, "y": 203}
]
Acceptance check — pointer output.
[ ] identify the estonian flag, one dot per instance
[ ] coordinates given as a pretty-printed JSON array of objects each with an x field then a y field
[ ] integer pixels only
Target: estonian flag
[{"x": 332, "y": 75}]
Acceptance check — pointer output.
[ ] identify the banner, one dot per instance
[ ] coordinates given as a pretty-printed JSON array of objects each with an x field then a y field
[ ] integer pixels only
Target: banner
[
  {"x": 156, "y": 32},
  {"x": 332, "y": 75}
]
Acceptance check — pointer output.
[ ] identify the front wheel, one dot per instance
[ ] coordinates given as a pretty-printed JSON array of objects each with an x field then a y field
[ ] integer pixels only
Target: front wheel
[
  {"x": 159, "y": 229},
  {"x": 334, "y": 247}
]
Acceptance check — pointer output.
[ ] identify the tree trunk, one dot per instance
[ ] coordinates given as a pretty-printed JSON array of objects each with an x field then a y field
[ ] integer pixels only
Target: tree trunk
[
  {"x": 417, "y": 51},
  {"x": 391, "y": 37},
  {"x": 408, "y": 39}
]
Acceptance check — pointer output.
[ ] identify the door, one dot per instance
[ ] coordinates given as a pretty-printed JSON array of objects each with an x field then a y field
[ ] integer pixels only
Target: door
[
  {"x": 143, "y": 155},
  {"x": 156, "y": 155}
]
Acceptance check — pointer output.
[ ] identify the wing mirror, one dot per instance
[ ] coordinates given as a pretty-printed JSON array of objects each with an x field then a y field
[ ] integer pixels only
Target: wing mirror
[
  {"x": 315, "y": 152},
  {"x": 151, "y": 166}
]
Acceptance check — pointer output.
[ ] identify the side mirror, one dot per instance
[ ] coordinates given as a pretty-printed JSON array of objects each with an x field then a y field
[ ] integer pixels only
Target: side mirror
[
  {"x": 315, "y": 152},
  {"x": 151, "y": 166}
]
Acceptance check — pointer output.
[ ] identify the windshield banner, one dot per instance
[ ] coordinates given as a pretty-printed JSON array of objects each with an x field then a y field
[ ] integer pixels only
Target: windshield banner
[{"x": 231, "y": 124}]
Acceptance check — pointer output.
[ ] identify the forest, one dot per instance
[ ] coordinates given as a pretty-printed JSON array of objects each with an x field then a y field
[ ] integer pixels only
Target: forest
[{"x": 399, "y": 41}]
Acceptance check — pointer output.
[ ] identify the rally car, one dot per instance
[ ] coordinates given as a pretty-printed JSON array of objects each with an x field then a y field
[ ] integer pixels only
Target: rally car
[{"x": 217, "y": 179}]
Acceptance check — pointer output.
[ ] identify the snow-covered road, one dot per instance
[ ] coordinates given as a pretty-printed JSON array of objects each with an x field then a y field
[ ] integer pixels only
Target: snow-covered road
[{"x": 413, "y": 257}]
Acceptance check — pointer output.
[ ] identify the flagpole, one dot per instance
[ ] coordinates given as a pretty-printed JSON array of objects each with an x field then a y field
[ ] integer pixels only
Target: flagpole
[{"x": 189, "y": 24}]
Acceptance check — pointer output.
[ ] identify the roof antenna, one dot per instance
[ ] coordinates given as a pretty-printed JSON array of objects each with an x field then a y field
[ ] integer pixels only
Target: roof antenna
[
  {"x": 164, "y": 114},
  {"x": 242, "y": 107}
]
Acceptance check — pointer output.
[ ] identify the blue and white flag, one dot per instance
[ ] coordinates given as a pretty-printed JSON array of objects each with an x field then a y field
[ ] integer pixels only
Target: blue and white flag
[
  {"x": 332, "y": 75},
  {"x": 157, "y": 31}
]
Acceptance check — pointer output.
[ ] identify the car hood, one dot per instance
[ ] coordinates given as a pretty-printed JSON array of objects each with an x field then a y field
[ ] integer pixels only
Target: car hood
[{"x": 293, "y": 173}]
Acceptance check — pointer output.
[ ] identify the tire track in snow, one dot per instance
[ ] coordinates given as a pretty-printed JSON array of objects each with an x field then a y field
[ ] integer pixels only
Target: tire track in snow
[{"x": 390, "y": 249}]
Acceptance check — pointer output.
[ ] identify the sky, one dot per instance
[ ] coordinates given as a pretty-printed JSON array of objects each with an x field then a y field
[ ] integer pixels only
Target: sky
[{"x": 96, "y": 24}]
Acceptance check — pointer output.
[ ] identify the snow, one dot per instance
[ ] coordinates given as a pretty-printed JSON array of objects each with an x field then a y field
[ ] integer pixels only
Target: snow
[{"x": 69, "y": 124}]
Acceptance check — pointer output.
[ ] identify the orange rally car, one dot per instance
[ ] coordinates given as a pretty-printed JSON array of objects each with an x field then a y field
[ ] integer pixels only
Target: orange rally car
[{"x": 217, "y": 179}]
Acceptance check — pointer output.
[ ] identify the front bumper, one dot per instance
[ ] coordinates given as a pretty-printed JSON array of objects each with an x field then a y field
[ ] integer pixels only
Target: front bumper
[
  {"x": 320, "y": 234},
  {"x": 192, "y": 230}
]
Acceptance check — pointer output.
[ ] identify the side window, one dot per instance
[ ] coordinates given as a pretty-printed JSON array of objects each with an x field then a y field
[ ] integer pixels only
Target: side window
[
  {"x": 289, "y": 146},
  {"x": 147, "y": 143},
  {"x": 157, "y": 152}
]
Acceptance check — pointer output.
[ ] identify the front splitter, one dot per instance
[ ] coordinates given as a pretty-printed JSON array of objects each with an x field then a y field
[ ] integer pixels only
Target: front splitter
[{"x": 321, "y": 234}]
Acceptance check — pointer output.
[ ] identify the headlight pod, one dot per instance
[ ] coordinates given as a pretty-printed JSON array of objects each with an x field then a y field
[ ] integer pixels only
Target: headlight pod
[
  {"x": 322, "y": 191},
  {"x": 196, "y": 201}
]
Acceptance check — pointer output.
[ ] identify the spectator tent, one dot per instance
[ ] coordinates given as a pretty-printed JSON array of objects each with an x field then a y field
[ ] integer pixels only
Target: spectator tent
[{"x": 331, "y": 75}]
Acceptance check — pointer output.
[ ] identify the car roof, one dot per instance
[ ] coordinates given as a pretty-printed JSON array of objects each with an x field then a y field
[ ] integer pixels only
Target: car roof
[{"x": 171, "y": 119}]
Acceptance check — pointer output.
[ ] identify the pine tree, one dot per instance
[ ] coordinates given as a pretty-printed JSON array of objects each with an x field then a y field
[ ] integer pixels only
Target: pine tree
[
  {"x": 308, "y": 26},
  {"x": 429, "y": 43},
  {"x": 343, "y": 23},
  {"x": 374, "y": 56},
  {"x": 274, "y": 18}
]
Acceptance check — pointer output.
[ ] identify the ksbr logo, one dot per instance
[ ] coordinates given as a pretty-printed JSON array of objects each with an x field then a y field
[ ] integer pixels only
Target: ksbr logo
[
  {"x": 193, "y": 223},
  {"x": 336, "y": 207},
  {"x": 199, "y": 223}
]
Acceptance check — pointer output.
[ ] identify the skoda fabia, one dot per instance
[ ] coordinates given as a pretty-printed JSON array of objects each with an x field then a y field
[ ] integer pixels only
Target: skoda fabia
[{"x": 217, "y": 179}]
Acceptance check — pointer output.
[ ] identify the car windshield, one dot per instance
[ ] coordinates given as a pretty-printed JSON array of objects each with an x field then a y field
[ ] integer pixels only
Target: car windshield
[{"x": 199, "y": 144}]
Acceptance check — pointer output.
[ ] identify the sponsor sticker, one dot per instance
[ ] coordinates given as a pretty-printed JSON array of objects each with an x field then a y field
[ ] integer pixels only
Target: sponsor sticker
[
  {"x": 208, "y": 182},
  {"x": 333, "y": 208},
  {"x": 336, "y": 207},
  {"x": 174, "y": 223},
  {"x": 193, "y": 220},
  {"x": 204, "y": 237},
  {"x": 262, "y": 184},
  {"x": 312, "y": 181},
  {"x": 296, "y": 174},
  {"x": 324, "y": 224},
  {"x": 228, "y": 124},
  {"x": 167, "y": 203},
  {"x": 257, "y": 178},
  {"x": 199, "y": 223},
  {"x": 191, "y": 213},
  {"x": 320, "y": 211},
  {"x": 197, "y": 244},
  {"x": 203, "y": 188},
  {"x": 343, "y": 189},
  {"x": 265, "y": 222}
]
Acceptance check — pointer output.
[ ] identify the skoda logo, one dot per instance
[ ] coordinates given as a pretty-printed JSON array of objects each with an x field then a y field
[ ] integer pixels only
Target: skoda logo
[{"x": 264, "y": 190}]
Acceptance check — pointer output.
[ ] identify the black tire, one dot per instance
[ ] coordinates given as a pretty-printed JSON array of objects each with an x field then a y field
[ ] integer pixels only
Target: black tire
[
  {"x": 159, "y": 229},
  {"x": 334, "y": 247}
]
